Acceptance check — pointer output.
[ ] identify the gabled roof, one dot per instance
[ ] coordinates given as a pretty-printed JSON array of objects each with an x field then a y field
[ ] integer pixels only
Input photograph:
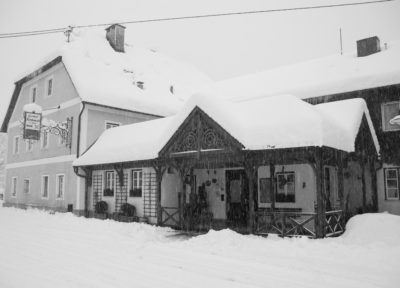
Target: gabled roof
[
  {"x": 271, "y": 123},
  {"x": 319, "y": 77},
  {"x": 103, "y": 76}
]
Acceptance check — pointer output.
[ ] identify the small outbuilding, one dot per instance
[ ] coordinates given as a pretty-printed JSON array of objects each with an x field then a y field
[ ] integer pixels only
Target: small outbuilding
[{"x": 272, "y": 165}]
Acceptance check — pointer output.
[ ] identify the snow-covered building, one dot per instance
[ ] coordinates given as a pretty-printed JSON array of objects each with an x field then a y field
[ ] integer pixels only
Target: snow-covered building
[
  {"x": 211, "y": 164},
  {"x": 94, "y": 82},
  {"x": 371, "y": 73}
]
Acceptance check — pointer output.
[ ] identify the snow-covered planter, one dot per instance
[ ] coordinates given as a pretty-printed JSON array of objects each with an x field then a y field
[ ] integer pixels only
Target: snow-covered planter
[
  {"x": 100, "y": 210},
  {"x": 127, "y": 214}
]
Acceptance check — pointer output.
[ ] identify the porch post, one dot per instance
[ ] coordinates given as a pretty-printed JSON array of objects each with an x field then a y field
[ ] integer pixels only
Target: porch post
[
  {"x": 272, "y": 185},
  {"x": 374, "y": 183},
  {"x": 159, "y": 174},
  {"x": 251, "y": 175},
  {"x": 320, "y": 217},
  {"x": 340, "y": 180}
]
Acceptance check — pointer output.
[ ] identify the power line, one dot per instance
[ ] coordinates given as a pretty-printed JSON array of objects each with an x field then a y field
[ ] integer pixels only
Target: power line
[{"x": 58, "y": 30}]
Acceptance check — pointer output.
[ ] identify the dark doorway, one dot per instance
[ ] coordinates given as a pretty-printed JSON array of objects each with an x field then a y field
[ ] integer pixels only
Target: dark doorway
[{"x": 237, "y": 200}]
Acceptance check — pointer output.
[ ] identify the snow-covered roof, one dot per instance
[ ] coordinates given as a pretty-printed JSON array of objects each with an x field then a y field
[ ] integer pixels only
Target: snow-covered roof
[
  {"x": 318, "y": 77},
  {"x": 283, "y": 121},
  {"x": 104, "y": 76}
]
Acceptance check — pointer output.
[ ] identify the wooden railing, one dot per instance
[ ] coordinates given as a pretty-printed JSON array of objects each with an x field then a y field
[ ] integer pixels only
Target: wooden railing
[
  {"x": 171, "y": 216},
  {"x": 334, "y": 223},
  {"x": 289, "y": 224},
  {"x": 285, "y": 223}
]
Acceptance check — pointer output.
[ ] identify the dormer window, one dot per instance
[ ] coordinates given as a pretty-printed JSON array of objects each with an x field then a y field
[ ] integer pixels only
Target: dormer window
[{"x": 49, "y": 86}]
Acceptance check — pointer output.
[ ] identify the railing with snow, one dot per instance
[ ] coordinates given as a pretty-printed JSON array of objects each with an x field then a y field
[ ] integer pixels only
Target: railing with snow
[{"x": 289, "y": 224}]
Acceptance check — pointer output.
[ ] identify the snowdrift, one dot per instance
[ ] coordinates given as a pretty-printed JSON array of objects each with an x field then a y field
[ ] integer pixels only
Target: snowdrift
[{"x": 383, "y": 228}]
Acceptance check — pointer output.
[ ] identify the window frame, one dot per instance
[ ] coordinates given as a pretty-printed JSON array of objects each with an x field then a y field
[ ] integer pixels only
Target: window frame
[
  {"x": 58, "y": 186},
  {"x": 106, "y": 186},
  {"x": 385, "y": 179},
  {"x": 42, "y": 186},
  {"x": 16, "y": 148},
  {"x": 115, "y": 124},
  {"x": 133, "y": 191},
  {"x": 29, "y": 186},
  {"x": 268, "y": 184},
  {"x": 384, "y": 128},
  {"x": 33, "y": 87},
  {"x": 28, "y": 147},
  {"x": 46, "y": 86},
  {"x": 14, "y": 186},
  {"x": 286, "y": 194},
  {"x": 42, "y": 140}
]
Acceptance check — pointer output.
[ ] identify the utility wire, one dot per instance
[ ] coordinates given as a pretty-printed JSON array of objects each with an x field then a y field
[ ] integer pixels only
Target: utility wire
[{"x": 58, "y": 30}]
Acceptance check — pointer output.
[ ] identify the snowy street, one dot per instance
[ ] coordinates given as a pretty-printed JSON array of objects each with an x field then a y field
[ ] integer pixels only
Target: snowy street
[{"x": 62, "y": 250}]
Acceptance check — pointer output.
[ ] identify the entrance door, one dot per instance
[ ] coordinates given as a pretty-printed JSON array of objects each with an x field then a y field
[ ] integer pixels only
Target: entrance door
[{"x": 237, "y": 202}]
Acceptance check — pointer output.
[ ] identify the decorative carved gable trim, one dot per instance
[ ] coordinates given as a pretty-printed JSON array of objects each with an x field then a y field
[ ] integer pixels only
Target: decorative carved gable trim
[{"x": 198, "y": 133}]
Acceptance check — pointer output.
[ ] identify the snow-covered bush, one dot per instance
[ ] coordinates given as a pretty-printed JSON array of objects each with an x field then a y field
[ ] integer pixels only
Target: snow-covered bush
[{"x": 128, "y": 210}]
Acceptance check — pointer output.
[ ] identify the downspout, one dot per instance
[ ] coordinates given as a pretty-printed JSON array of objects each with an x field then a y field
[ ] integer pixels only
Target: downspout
[{"x": 76, "y": 169}]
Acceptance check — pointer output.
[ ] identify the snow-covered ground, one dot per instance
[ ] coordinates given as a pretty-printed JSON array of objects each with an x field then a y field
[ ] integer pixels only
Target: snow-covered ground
[{"x": 61, "y": 250}]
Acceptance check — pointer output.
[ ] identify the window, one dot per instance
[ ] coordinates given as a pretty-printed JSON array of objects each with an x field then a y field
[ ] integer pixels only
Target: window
[
  {"x": 392, "y": 183},
  {"x": 16, "y": 145},
  {"x": 28, "y": 145},
  {"x": 110, "y": 184},
  {"x": 45, "y": 186},
  {"x": 390, "y": 110},
  {"x": 45, "y": 139},
  {"x": 33, "y": 94},
  {"x": 136, "y": 183},
  {"x": 27, "y": 184},
  {"x": 49, "y": 86},
  {"x": 265, "y": 190},
  {"x": 14, "y": 187},
  {"x": 285, "y": 187},
  {"x": 110, "y": 124},
  {"x": 60, "y": 186}
]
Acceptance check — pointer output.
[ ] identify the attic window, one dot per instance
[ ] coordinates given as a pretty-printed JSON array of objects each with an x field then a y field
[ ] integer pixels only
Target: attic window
[
  {"x": 171, "y": 89},
  {"x": 33, "y": 94},
  {"x": 49, "y": 86}
]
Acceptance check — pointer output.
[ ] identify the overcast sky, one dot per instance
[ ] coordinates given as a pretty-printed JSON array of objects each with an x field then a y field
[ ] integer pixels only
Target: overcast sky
[{"x": 221, "y": 47}]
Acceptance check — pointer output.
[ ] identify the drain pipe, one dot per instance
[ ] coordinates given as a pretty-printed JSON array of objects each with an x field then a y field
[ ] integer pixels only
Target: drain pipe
[{"x": 76, "y": 169}]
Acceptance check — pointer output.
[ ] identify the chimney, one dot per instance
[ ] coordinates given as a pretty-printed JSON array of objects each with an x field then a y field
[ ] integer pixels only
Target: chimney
[
  {"x": 116, "y": 36},
  {"x": 368, "y": 46}
]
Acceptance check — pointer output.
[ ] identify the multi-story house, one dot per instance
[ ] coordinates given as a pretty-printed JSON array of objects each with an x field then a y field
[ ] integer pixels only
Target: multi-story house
[
  {"x": 94, "y": 82},
  {"x": 372, "y": 73}
]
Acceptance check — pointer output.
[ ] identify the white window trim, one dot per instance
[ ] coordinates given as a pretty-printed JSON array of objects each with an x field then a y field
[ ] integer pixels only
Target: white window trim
[
  {"x": 386, "y": 185},
  {"x": 111, "y": 122},
  {"x": 29, "y": 186},
  {"x": 105, "y": 183},
  {"x": 384, "y": 129},
  {"x": 42, "y": 141},
  {"x": 42, "y": 187},
  {"x": 14, "y": 187},
  {"x": 31, "y": 93},
  {"x": 63, "y": 186},
  {"x": 15, "y": 152},
  {"x": 130, "y": 184},
  {"x": 27, "y": 141}
]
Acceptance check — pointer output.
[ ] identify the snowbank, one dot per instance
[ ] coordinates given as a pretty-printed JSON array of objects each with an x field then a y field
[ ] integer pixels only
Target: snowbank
[
  {"x": 61, "y": 250},
  {"x": 382, "y": 228}
]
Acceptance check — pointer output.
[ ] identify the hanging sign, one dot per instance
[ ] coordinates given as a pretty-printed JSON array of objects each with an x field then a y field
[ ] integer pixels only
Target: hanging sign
[{"x": 32, "y": 125}]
